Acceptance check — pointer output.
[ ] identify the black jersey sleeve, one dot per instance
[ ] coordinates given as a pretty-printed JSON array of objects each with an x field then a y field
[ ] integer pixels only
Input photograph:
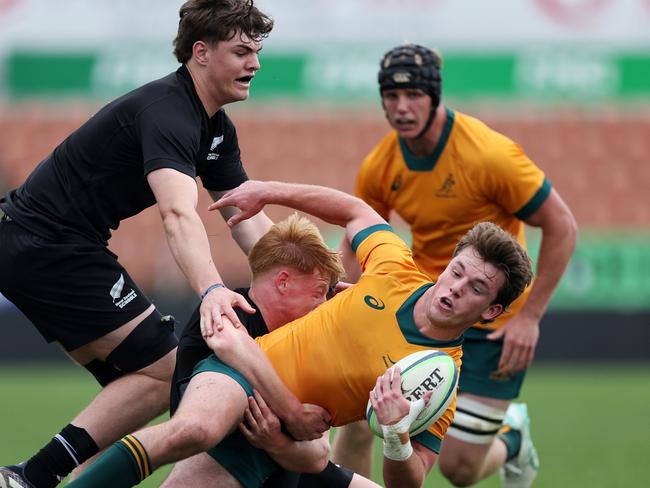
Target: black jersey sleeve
[
  {"x": 227, "y": 172},
  {"x": 170, "y": 137}
]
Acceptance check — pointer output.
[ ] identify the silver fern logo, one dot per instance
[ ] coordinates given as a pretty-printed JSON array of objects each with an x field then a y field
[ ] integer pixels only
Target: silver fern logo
[
  {"x": 212, "y": 155},
  {"x": 116, "y": 293},
  {"x": 215, "y": 142}
]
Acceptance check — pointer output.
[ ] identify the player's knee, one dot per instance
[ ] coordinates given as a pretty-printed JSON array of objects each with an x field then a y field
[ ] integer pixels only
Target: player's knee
[
  {"x": 459, "y": 472},
  {"x": 189, "y": 434},
  {"x": 460, "y": 467}
]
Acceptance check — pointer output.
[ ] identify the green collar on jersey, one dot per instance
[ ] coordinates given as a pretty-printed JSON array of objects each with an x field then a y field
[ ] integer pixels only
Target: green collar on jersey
[
  {"x": 407, "y": 324},
  {"x": 427, "y": 163}
]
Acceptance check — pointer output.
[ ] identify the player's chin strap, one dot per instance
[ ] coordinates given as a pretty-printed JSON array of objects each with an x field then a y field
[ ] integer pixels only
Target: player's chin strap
[
  {"x": 432, "y": 115},
  {"x": 397, "y": 442}
]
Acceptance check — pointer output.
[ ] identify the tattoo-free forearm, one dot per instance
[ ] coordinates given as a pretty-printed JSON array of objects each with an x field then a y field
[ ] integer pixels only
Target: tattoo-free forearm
[
  {"x": 556, "y": 247},
  {"x": 404, "y": 474},
  {"x": 190, "y": 247},
  {"x": 237, "y": 349},
  {"x": 302, "y": 456}
]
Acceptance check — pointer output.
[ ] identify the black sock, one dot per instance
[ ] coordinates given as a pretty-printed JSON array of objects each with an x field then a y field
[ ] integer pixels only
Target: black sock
[{"x": 67, "y": 450}]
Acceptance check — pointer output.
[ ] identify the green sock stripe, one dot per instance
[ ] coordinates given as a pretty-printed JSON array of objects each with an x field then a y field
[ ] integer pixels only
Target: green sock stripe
[
  {"x": 512, "y": 440},
  {"x": 139, "y": 455}
]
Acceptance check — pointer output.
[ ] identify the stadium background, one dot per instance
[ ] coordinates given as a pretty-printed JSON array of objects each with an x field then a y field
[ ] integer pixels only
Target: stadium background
[{"x": 568, "y": 79}]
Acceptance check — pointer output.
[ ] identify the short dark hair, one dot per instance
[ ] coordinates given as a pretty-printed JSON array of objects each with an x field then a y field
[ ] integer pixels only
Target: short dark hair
[
  {"x": 217, "y": 20},
  {"x": 501, "y": 249}
]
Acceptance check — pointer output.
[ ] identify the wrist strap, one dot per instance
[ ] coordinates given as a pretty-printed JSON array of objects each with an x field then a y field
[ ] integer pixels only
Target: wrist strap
[
  {"x": 210, "y": 289},
  {"x": 397, "y": 443}
]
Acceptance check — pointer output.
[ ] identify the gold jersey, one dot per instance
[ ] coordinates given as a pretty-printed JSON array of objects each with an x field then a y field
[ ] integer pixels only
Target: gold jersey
[
  {"x": 333, "y": 356},
  {"x": 474, "y": 174}
]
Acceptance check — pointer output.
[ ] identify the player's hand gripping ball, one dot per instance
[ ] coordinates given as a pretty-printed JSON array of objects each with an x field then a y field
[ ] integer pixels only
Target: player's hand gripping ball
[{"x": 424, "y": 371}]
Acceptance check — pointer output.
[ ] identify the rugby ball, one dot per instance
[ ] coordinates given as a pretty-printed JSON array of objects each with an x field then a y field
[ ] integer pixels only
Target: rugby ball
[{"x": 422, "y": 371}]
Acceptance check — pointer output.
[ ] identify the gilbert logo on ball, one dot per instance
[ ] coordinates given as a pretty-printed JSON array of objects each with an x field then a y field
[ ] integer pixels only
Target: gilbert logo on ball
[{"x": 422, "y": 371}]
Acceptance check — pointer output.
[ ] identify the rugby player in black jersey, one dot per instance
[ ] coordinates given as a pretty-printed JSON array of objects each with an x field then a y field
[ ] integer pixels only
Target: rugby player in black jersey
[{"x": 143, "y": 148}]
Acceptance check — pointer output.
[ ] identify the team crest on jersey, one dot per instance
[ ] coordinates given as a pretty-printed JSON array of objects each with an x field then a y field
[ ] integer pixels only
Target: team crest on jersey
[
  {"x": 212, "y": 156},
  {"x": 447, "y": 188},
  {"x": 116, "y": 293}
]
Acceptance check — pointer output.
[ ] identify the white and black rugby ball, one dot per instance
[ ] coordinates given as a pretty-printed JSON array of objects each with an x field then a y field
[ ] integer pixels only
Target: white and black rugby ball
[{"x": 422, "y": 371}]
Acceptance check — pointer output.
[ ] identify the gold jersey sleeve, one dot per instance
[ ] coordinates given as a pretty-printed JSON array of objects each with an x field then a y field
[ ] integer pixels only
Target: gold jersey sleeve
[
  {"x": 333, "y": 356},
  {"x": 475, "y": 174}
]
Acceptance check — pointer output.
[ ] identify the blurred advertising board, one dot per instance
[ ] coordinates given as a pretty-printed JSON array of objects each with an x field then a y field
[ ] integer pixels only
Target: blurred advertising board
[{"x": 576, "y": 50}]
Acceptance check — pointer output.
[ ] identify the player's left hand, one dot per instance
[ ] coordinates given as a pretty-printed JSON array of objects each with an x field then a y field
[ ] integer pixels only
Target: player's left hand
[
  {"x": 262, "y": 426},
  {"x": 520, "y": 335},
  {"x": 220, "y": 303},
  {"x": 247, "y": 197}
]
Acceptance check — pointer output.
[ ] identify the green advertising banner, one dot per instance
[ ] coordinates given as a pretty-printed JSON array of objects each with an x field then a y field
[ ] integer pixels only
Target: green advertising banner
[
  {"x": 606, "y": 272},
  {"x": 542, "y": 75}
]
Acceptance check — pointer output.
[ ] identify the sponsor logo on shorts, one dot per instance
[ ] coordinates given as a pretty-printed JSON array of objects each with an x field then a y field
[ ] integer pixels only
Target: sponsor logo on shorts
[
  {"x": 116, "y": 293},
  {"x": 500, "y": 375},
  {"x": 373, "y": 302}
]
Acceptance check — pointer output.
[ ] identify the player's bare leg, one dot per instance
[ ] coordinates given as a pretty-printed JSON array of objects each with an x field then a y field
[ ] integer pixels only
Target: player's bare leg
[
  {"x": 199, "y": 471},
  {"x": 123, "y": 405},
  {"x": 465, "y": 463},
  {"x": 212, "y": 407},
  {"x": 353, "y": 447},
  {"x": 129, "y": 402}
]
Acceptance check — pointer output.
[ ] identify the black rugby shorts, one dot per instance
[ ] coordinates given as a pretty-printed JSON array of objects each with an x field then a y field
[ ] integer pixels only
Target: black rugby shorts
[{"x": 73, "y": 292}]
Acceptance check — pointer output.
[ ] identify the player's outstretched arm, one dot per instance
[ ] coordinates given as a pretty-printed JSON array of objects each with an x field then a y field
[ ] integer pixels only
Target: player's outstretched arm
[
  {"x": 177, "y": 197},
  {"x": 328, "y": 204}
]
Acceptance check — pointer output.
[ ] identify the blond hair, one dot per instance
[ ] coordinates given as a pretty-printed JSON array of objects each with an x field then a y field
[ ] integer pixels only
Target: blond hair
[{"x": 295, "y": 242}]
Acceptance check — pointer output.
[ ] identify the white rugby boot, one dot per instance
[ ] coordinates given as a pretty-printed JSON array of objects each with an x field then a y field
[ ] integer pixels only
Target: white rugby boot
[{"x": 520, "y": 471}]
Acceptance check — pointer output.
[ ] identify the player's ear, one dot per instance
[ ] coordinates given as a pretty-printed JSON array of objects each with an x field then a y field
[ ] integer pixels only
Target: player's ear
[
  {"x": 200, "y": 52},
  {"x": 282, "y": 281},
  {"x": 492, "y": 312}
]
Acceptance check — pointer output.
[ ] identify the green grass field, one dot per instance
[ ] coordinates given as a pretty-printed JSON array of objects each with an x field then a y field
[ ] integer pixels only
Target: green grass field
[{"x": 590, "y": 423}]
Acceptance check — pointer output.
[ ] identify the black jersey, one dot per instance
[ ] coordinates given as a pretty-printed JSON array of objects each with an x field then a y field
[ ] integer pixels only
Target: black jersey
[
  {"x": 97, "y": 176},
  {"x": 192, "y": 347}
]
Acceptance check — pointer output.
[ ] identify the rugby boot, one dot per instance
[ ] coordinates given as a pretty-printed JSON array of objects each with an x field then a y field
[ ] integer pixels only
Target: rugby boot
[{"x": 520, "y": 471}]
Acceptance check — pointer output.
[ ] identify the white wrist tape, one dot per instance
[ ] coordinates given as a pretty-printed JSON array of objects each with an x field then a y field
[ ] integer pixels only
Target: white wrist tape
[{"x": 397, "y": 443}]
